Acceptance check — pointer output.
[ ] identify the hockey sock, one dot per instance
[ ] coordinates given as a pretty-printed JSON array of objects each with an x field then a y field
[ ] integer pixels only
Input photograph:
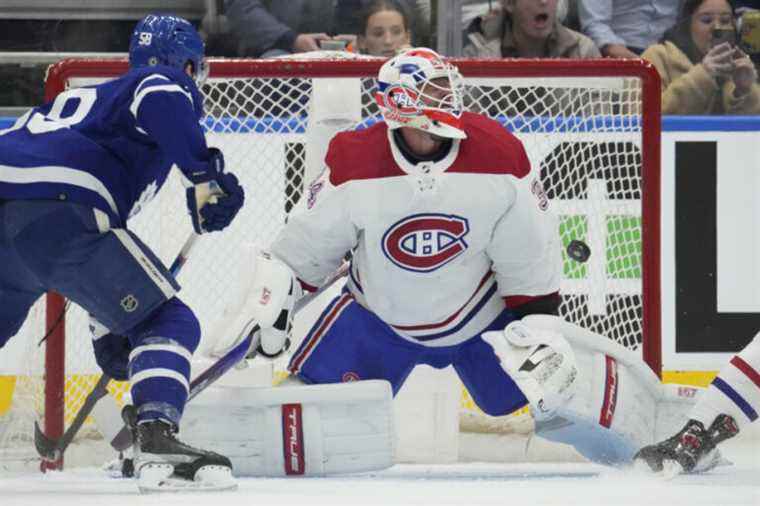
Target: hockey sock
[
  {"x": 159, "y": 364},
  {"x": 735, "y": 391}
]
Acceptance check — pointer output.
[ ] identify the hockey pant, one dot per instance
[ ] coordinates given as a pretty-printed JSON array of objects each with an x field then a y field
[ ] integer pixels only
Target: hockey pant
[
  {"x": 349, "y": 343},
  {"x": 70, "y": 248}
]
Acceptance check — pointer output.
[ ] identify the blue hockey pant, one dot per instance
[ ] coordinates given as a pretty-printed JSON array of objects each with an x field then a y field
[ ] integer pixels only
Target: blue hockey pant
[{"x": 349, "y": 343}]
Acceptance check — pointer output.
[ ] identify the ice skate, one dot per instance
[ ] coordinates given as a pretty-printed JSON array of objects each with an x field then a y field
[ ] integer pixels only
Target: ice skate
[
  {"x": 692, "y": 450},
  {"x": 162, "y": 463}
]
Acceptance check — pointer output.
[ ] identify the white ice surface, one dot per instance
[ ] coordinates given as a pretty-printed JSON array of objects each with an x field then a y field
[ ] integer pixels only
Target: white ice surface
[{"x": 458, "y": 484}]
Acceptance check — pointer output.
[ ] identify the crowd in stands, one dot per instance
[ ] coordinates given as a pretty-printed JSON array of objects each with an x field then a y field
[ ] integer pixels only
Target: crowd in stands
[{"x": 702, "y": 48}]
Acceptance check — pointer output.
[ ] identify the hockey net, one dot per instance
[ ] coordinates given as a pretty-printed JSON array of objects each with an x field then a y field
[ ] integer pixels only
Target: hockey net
[{"x": 592, "y": 127}]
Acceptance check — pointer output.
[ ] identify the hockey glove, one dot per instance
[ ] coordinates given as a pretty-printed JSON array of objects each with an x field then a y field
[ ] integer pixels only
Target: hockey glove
[
  {"x": 271, "y": 301},
  {"x": 112, "y": 355},
  {"x": 541, "y": 362},
  {"x": 274, "y": 341},
  {"x": 216, "y": 197}
]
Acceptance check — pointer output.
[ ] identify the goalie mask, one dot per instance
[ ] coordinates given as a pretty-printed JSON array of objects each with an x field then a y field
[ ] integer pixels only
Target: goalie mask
[{"x": 418, "y": 89}]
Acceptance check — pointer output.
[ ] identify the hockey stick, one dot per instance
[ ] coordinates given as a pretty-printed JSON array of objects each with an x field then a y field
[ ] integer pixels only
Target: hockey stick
[
  {"x": 52, "y": 449},
  {"x": 123, "y": 439}
]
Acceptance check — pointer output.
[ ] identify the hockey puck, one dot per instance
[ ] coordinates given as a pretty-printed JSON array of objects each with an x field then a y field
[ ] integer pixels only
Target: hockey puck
[{"x": 578, "y": 251}]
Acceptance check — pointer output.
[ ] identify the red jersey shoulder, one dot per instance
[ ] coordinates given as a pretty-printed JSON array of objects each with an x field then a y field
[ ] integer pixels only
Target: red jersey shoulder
[
  {"x": 361, "y": 154},
  {"x": 490, "y": 149}
]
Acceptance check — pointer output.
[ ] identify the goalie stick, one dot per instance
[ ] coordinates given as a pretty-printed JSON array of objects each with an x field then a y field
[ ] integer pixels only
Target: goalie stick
[{"x": 52, "y": 450}]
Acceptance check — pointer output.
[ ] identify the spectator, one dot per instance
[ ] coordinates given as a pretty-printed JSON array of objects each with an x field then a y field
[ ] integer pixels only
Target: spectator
[
  {"x": 273, "y": 28},
  {"x": 701, "y": 72},
  {"x": 282, "y": 28},
  {"x": 529, "y": 29},
  {"x": 624, "y": 28},
  {"x": 384, "y": 28}
]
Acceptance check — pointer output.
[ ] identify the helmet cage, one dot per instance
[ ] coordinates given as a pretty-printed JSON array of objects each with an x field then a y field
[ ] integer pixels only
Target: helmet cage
[{"x": 422, "y": 92}]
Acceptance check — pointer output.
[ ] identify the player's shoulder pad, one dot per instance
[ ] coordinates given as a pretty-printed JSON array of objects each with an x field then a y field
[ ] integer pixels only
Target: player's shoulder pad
[
  {"x": 490, "y": 149},
  {"x": 361, "y": 154}
]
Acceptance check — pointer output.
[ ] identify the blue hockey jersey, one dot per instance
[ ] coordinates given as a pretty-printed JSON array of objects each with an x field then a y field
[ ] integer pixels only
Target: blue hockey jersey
[{"x": 109, "y": 146}]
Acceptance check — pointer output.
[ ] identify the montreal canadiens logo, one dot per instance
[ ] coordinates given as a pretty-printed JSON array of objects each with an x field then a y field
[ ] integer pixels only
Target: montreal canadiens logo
[
  {"x": 425, "y": 242},
  {"x": 402, "y": 100}
]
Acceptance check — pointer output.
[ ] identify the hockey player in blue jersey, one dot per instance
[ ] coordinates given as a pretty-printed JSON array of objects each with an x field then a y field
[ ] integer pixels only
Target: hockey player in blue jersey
[{"x": 71, "y": 174}]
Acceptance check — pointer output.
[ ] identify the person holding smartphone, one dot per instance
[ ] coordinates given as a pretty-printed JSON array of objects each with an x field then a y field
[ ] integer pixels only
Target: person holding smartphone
[
  {"x": 703, "y": 70},
  {"x": 265, "y": 29}
]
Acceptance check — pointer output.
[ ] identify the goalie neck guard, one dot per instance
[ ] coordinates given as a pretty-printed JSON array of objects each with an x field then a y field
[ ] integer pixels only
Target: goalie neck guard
[{"x": 418, "y": 89}]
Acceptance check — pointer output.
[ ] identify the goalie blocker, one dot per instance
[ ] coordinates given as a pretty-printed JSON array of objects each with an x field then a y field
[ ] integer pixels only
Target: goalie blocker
[
  {"x": 309, "y": 430},
  {"x": 586, "y": 390}
]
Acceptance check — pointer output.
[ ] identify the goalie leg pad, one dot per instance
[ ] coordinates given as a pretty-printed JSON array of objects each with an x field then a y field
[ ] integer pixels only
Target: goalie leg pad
[
  {"x": 610, "y": 415},
  {"x": 310, "y": 430},
  {"x": 619, "y": 404}
]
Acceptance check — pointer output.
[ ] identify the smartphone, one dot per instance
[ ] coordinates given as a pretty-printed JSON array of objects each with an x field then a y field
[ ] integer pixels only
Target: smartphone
[
  {"x": 333, "y": 45},
  {"x": 721, "y": 35}
]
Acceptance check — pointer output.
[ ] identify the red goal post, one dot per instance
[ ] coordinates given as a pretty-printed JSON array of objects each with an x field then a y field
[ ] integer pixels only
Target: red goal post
[{"x": 629, "y": 105}]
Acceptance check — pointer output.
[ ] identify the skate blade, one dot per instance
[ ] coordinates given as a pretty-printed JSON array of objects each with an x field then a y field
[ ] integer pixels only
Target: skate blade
[
  {"x": 115, "y": 468},
  {"x": 158, "y": 479}
]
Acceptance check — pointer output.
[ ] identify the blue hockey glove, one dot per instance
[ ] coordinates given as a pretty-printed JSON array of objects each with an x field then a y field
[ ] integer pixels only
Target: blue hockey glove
[
  {"x": 112, "y": 355},
  {"x": 216, "y": 198},
  {"x": 218, "y": 215}
]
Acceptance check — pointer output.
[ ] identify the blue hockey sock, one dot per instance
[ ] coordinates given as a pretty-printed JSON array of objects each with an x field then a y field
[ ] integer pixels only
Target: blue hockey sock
[{"x": 159, "y": 364}]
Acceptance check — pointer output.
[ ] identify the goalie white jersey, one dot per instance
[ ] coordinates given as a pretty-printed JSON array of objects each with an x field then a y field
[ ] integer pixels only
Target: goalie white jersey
[{"x": 438, "y": 247}]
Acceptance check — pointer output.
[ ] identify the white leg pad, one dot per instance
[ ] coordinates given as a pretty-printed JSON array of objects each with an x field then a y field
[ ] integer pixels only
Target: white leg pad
[
  {"x": 619, "y": 403},
  {"x": 309, "y": 430}
]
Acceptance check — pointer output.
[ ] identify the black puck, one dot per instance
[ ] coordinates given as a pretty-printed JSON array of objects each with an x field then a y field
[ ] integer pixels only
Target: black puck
[{"x": 578, "y": 251}]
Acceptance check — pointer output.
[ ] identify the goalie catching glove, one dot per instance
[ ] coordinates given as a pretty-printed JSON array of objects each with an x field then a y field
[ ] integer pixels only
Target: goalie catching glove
[
  {"x": 274, "y": 293},
  {"x": 216, "y": 197},
  {"x": 541, "y": 362}
]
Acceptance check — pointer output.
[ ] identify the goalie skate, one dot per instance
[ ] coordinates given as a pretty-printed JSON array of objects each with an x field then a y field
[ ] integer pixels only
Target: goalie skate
[
  {"x": 162, "y": 463},
  {"x": 692, "y": 450}
]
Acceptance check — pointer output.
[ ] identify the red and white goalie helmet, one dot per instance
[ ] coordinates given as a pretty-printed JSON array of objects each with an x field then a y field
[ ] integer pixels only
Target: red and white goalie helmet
[{"x": 417, "y": 89}]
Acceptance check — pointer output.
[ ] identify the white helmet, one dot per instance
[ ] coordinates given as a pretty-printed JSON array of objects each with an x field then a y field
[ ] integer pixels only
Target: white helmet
[{"x": 417, "y": 89}]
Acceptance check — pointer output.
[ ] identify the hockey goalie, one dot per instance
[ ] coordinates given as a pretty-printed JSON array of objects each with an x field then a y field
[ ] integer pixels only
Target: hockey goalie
[{"x": 455, "y": 260}]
